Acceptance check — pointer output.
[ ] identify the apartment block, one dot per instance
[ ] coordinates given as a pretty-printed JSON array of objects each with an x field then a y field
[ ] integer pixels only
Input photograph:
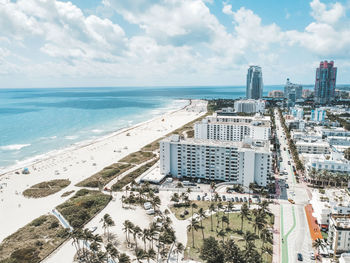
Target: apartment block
[
  {"x": 238, "y": 162},
  {"x": 233, "y": 128}
]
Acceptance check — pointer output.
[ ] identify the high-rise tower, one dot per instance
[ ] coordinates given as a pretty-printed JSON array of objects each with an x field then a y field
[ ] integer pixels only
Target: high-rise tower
[
  {"x": 326, "y": 76},
  {"x": 254, "y": 83}
]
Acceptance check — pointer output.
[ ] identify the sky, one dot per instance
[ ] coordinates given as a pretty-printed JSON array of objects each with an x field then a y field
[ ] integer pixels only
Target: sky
[{"x": 51, "y": 43}]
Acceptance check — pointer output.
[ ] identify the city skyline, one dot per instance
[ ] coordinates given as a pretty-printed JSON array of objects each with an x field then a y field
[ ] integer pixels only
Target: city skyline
[{"x": 143, "y": 43}]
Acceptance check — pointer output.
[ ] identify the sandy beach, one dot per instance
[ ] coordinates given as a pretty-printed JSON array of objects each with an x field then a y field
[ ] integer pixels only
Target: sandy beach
[{"x": 80, "y": 163}]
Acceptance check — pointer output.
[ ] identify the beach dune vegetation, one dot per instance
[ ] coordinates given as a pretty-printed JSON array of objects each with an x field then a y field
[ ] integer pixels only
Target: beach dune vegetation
[{"x": 46, "y": 188}]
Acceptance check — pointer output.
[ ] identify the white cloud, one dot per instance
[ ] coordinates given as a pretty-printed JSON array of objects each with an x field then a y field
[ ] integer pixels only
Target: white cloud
[
  {"x": 324, "y": 15},
  {"x": 329, "y": 35},
  {"x": 179, "y": 41}
]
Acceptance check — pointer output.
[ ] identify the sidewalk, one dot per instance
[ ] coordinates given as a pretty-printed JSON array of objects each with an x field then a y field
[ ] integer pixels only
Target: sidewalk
[
  {"x": 313, "y": 226},
  {"x": 275, "y": 209}
]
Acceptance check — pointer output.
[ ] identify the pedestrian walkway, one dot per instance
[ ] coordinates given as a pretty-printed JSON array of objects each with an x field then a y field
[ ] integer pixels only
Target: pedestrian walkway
[{"x": 313, "y": 226}]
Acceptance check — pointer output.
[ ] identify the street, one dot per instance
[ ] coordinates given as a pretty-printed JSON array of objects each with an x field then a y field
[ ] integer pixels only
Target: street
[{"x": 295, "y": 235}]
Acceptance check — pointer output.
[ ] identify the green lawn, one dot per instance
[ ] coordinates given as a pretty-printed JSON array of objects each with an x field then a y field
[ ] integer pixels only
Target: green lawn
[
  {"x": 235, "y": 225},
  {"x": 177, "y": 211}
]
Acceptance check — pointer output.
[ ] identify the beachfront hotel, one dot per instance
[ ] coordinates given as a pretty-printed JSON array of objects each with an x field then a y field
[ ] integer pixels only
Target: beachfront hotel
[
  {"x": 233, "y": 128},
  {"x": 237, "y": 162}
]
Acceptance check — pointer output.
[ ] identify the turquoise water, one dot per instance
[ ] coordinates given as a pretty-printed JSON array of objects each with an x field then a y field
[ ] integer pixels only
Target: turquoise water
[{"x": 36, "y": 121}]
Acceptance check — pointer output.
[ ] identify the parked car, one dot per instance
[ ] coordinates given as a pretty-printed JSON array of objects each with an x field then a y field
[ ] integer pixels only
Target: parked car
[
  {"x": 223, "y": 198},
  {"x": 241, "y": 200},
  {"x": 236, "y": 199},
  {"x": 312, "y": 255},
  {"x": 289, "y": 162},
  {"x": 287, "y": 185},
  {"x": 245, "y": 199},
  {"x": 300, "y": 257},
  {"x": 198, "y": 197},
  {"x": 291, "y": 201}
]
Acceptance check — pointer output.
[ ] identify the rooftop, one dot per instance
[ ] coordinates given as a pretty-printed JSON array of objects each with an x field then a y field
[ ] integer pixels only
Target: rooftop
[{"x": 257, "y": 145}]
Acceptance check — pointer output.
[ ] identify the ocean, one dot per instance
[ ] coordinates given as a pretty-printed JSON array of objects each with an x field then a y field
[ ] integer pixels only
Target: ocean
[{"x": 34, "y": 122}]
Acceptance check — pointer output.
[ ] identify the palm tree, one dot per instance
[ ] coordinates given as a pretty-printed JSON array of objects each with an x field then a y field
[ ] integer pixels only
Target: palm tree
[
  {"x": 127, "y": 228},
  {"x": 195, "y": 206},
  {"x": 112, "y": 251},
  {"x": 222, "y": 234},
  {"x": 145, "y": 236},
  {"x": 317, "y": 244},
  {"x": 140, "y": 254},
  {"x": 211, "y": 209},
  {"x": 150, "y": 254},
  {"x": 230, "y": 206},
  {"x": 202, "y": 216},
  {"x": 179, "y": 248},
  {"x": 249, "y": 237},
  {"x": 107, "y": 223},
  {"x": 266, "y": 250},
  {"x": 244, "y": 214},
  {"x": 193, "y": 226},
  {"x": 259, "y": 220},
  {"x": 136, "y": 231},
  {"x": 155, "y": 202},
  {"x": 232, "y": 252},
  {"x": 225, "y": 220},
  {"x": 123, "y": 258},
  {"x": 266, "y": 236}
]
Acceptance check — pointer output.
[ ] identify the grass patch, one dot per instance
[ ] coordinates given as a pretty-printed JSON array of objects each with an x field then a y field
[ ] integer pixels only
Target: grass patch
[
  {"x": 46, "y": 188},
  {"x": 67, "y": 193},
  {"x": 33, "y": 242},
  {"x": 235, "y": 225},
  {"x": 151, "y": 147},
  {"x": 138, "y": 157},
  {"x": 118, "y": 186},
  {"x": 83, "y": 206},
  {"x": 324, "y": 235},
  {"x": 104, "y": 176}
]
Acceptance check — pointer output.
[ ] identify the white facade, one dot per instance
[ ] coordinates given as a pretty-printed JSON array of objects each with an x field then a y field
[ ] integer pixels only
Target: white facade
[
  {"x": 249, "y": 106},
  {"x": 336, "y": 163},
  {"x": 238, "y": 162},
  {"x": 233, "y": 128},
  {"x": 318, "y": 115},
  {"x": 334, "y": 132},
  {"x": 313, "y": 147},
  {"x": 298, "y": 113},
  {"x": 333, "y": 201},
  {"x": 339, "y": 233}
]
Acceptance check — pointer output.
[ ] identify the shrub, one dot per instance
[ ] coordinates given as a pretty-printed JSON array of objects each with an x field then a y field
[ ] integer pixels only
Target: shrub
[
  {"x": 38, "y": 221},
  {"x": 63, "y": 233},
  {"x": 54, "y": 225},
  {"x": 26, "y": 255}
]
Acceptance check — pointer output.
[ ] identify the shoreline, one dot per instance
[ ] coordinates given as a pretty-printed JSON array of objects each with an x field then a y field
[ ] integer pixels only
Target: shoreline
[
  {"x": 84, "y": 143},
  {"x": 80, "y": 163}
]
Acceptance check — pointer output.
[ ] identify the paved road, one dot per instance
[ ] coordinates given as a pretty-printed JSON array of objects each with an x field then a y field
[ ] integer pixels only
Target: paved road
[{"x": 294, "y": 227}]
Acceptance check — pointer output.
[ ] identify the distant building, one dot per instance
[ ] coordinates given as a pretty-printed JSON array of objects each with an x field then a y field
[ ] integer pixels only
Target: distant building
[
  {"x": 250, "y": 106},
  {"x": 313, "y": 147},
  {"x": 229, "y": 111},
  {"x": 339, "y": 233},
  {"x": 327, "y": 203},
  {"x": 292, "y": 92},
  {"x": 318, "y": 115},
  {"x": 233, "y": 128},
  {"x": 237, "y": 162},
  {"x": 298, "y": 113},
  {"x": 254, "y": 83},
  {"x": 276, "y": 94},
  {"x": 306, "y": 93},
  {"x": 335, "y": 164},
  {"x": 326, "y": 76}
]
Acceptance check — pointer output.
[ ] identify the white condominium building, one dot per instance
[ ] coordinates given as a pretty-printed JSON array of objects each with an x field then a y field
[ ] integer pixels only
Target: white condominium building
[
  {"x": 339, "y": 233},
  {"x": 238, "y": 162},
  {"x": 313, "y": 147},
  {"x": 250, "y": 106},
  {"x": 341, "y": 132},
  {"x": 332, "y": 201},
  {"x": 233, "y": 128},
  {"x": 336, "y": 163}
]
